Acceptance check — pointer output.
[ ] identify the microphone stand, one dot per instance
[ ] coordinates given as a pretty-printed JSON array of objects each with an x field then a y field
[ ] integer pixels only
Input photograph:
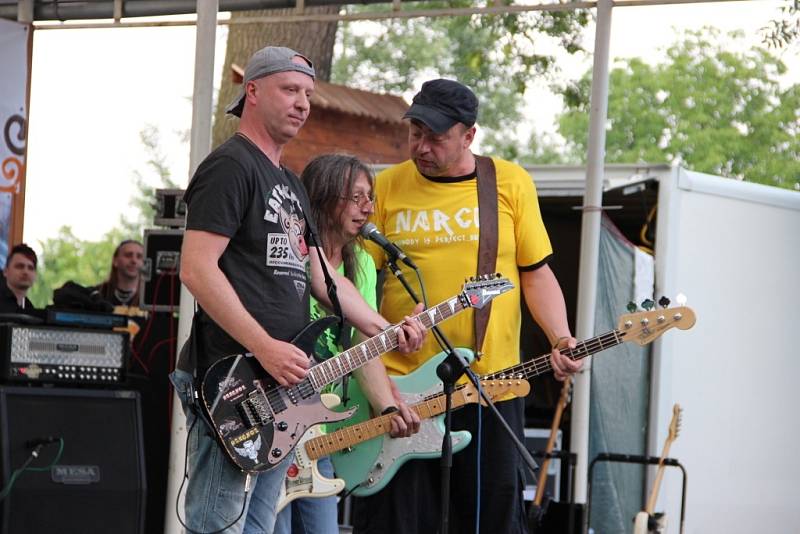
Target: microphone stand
[{"x": 449, "y": 371}]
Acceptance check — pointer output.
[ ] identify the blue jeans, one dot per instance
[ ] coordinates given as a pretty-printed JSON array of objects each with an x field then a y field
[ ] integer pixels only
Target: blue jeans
[
  {"x": 215, "y": 494},
  {"x": 311, "y": 515}
]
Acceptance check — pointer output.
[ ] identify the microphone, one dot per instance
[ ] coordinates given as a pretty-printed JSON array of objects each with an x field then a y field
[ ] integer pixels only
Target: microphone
[{"x": 371, "y": 232}]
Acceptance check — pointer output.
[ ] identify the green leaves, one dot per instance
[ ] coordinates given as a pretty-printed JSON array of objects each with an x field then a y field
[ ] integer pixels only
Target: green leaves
[
  {"x": 67, "y": 257},
  {"x": 709, "y": 107},
  {"x": 494, "y": 55},
  {"x": 88, "y": 263}
]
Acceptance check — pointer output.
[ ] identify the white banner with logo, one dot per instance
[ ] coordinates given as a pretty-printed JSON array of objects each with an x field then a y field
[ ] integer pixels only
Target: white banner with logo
[{"x": 14, "y": 65}]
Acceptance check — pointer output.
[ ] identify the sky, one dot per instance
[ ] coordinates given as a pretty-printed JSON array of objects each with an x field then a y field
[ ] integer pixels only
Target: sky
[{"x": 94, "y": 90}]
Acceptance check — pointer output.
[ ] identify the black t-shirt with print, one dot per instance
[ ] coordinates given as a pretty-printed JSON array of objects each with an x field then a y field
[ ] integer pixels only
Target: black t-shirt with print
[{"x": 237, "y": 192}]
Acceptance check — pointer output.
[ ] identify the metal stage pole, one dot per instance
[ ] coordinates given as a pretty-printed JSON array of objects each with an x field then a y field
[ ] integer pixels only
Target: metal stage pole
[{"x": 207, "y": 11}]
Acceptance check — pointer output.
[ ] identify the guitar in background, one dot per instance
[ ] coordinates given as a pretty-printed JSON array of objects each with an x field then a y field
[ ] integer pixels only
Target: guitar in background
[
  {"x": 647, "y": 520},
  {"x": 537, "y": 509}
]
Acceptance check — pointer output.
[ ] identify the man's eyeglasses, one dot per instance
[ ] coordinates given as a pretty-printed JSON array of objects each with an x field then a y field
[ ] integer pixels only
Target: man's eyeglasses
[{"x": 360, "y": 199}]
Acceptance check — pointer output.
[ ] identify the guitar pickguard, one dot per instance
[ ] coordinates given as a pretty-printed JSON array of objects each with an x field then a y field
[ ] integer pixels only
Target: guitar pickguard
[
  {"x": 257, "y": 421},
  {"x": 369, "y": 466},
  {"x": 303, "y": 479}
]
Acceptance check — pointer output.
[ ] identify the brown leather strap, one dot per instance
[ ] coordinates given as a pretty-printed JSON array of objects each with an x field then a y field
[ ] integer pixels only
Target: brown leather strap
[{"x": 487, "y": 240}]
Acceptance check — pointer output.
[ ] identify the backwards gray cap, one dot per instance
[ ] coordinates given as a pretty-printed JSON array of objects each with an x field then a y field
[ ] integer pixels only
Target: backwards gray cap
[{"x": 268, "y": 60}]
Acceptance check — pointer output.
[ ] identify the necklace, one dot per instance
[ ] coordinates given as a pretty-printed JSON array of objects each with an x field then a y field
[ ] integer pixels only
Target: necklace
[{"x": 122, "y": 295}]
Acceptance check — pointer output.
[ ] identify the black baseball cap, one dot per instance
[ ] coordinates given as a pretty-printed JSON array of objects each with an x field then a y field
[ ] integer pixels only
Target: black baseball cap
[{"x": 442, "y": 103}]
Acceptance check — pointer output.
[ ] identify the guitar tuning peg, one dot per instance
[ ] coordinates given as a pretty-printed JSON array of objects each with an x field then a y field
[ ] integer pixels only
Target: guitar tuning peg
[
  {"x": 648, "y": 304},
  {"x": 680, "y": 298},
  {"x": 631, "y": 307},
  {"x": 663, "y": 302}
]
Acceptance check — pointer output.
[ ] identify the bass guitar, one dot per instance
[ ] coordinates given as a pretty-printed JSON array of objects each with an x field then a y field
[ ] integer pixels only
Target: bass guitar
[
  {"x": 258, "y": 422},
  {"x": 646, "y": 520},
  {"x": 306, "y": 481},
  {"x": 359, "y": 466}
]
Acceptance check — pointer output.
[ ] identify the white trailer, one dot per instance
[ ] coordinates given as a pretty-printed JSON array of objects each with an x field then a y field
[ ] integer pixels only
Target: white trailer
[{"x": 733, "y": 248}]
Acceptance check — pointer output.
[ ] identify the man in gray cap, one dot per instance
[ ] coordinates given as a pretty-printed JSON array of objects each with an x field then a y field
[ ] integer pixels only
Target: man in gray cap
[
  {"x": 452, "y": 211},
  {"x": 247, "y": 249}
]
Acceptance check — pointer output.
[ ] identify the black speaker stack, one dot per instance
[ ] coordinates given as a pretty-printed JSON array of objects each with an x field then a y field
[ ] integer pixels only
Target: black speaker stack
[
  {"x": 72, "y": 439},
  {"x": 89, "y": 474}
]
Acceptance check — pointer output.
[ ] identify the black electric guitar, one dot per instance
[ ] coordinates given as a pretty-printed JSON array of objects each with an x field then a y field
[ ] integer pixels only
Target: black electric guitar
[{"x": 258, "y": 422}]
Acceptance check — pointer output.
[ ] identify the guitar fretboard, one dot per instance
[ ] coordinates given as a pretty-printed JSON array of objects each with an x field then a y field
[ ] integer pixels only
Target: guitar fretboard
[
  {"x": 327, "y": 444},
  {"x": 541, "y": 364},
  {"x": 348, "y": 361}
]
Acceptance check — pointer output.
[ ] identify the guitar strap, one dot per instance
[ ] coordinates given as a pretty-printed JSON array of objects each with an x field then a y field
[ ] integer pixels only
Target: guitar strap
[
  {"x": 487, "y": 238},
  {"x": 343, "y": 340},
  {"x": 333, "y": 296},
  {"x": 187, "y": 357}
]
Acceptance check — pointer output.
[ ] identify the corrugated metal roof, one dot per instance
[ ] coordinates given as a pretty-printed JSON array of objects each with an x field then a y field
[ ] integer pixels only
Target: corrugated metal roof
[
  {"x": 333, "y": 97},
  {"x": 375, "y": 106}
]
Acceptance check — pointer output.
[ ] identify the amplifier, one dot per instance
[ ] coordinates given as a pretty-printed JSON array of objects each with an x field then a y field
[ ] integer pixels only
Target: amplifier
[{"x": 57, "y": 355}]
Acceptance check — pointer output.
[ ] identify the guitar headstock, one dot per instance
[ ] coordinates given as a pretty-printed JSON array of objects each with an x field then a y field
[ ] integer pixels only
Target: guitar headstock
[
  {"x": 645, "y": 326},
  {"x": 675, "y": 424},
  {"x": 482, "y": 289},
  {"x": 519, "y": 387},
  {"x": 566, "y": 392}
]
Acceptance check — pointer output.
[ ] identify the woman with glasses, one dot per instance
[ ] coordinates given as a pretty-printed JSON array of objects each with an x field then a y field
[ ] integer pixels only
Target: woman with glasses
[{"x": 340, "y": 190}]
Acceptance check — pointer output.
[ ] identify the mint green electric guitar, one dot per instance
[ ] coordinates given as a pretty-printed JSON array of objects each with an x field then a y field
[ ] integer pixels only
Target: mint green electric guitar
[{"x": 362, "y": 451}]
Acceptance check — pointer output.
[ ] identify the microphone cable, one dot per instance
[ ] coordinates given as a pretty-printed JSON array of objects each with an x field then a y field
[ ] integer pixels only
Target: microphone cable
[{"x": 39, "y": 444}]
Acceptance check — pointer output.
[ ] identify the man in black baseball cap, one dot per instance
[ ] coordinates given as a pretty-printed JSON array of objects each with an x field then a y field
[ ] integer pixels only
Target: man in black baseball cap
[
  {"x": 443, "y": 206},
  {"x": 441, "y": 103}
]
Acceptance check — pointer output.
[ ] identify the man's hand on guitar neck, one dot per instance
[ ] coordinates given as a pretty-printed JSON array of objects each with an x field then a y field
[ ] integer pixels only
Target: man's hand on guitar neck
[
  {"x": 411, "y": 333},
  {"x": 563, "y": 365}
]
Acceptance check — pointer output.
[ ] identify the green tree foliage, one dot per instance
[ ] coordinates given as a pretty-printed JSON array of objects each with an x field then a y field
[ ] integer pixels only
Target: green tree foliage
[
  {"x": 707, "y": 107},
  {"x": 67, "y": 257},
  {"x": 495, "y": 55},
  {"x": 88, "y": 263}
]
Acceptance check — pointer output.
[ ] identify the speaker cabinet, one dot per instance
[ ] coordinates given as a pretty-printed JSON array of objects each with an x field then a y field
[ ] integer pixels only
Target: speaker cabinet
[{"x": 98, "y": 484}]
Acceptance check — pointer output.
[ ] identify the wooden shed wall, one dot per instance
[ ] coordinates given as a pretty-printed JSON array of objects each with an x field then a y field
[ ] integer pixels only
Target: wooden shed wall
[{"x": 328, "y": 131}]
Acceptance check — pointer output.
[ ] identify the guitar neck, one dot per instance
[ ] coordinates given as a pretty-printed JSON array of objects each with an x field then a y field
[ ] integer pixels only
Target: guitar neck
[
  {"x": 551, "y": 441},
  {"x": 651, "y": 502},
  {"x": 541, "y": 364},
  {"x": 353, "y": 435},
  {"x": 348, "y": 361}
]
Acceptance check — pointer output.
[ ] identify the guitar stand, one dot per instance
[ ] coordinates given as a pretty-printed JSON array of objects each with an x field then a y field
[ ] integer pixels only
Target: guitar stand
[
  {"x": 571, "y": 459},
  {"x": 633, "y": 459}
]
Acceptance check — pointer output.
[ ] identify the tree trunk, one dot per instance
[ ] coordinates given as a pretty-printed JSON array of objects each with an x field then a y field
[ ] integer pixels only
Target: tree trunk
[{"x": 314, "y": 40}]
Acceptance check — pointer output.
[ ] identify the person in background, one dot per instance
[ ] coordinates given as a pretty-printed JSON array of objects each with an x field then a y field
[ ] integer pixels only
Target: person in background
[
  {"x": 20, "y": 275},
  {"x": 121, "y": 288}
]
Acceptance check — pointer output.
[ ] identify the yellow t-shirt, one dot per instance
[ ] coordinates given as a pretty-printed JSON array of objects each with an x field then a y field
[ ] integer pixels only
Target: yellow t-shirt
[{"x": 436, "y": 224}]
